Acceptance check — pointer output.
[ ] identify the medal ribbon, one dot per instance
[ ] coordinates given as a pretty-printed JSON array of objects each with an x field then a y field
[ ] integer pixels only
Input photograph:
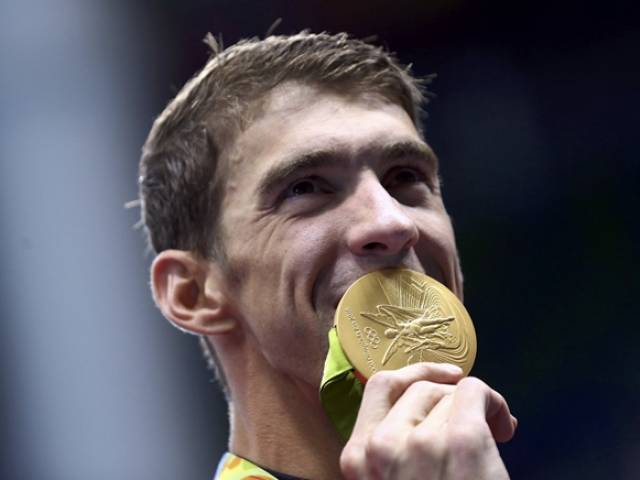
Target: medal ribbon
[
  {"x": 232, "y": 467},
  {"x": 340, "y": 390}
]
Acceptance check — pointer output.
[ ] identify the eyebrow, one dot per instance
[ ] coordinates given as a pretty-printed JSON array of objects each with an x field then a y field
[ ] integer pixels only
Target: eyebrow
[
  {"x": 334, "y": 156},
  {"x": 409, "y": 149},
  {"x": 287, "y": 168}
]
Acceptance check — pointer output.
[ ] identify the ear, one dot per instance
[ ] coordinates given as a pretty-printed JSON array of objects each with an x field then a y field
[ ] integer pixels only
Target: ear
[{"x": 190, "y": 293}]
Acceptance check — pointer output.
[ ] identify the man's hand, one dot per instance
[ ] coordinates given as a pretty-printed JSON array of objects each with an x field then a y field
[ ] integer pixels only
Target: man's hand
[{"x": 425, "y": 421}]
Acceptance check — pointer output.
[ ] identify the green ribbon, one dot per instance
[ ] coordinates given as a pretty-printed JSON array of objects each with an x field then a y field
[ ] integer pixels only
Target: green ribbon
[{"x": 340, "y": 391}]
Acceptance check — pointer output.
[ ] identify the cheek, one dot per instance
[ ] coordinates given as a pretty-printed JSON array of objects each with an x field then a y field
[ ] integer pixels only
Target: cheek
[
  {"x": 437, "y": 249},
  {"x": 276, "y": 271},
  {"x": 279, "y": 262},
  {"x": 252, "y": 268}
]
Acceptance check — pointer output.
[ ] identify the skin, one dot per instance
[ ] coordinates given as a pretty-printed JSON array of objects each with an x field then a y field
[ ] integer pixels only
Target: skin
[{"x": 321, "y": 189}]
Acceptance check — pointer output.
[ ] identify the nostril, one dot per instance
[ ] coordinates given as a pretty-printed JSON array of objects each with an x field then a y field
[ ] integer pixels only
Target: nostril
[{"x": 375, "y": 246}]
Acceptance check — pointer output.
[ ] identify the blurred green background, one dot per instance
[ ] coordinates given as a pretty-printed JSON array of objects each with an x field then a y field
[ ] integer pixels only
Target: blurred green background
[{"x": 535, "y": 122}]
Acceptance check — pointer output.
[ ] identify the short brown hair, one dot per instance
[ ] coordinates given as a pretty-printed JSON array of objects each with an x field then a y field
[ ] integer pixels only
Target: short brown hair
[{"x": 180, "y": 178}]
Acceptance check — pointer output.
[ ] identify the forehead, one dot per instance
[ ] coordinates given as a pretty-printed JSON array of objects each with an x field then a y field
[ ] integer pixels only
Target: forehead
[{"x": 298, "y": 118}]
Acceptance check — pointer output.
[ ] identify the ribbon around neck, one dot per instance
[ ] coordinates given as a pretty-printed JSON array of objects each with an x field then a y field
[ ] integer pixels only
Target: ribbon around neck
[{"x": 340, "y": 390}]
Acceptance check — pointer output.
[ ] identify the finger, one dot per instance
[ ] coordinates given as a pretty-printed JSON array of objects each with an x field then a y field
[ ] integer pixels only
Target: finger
[
  {"x": 475, "y": 402},
  {"x": 426, "y": 445},
  {"x": 437, "y": 419},
  {"x": 384, "y": 388},
  {"x": 383, "y": 393},
  {"x": 386, "y": 444},
  {"x": 416, "y": 403}
]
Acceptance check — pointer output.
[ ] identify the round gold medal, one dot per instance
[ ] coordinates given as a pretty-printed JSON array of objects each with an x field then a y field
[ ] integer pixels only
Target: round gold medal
[{"x": 394, "y": 317}]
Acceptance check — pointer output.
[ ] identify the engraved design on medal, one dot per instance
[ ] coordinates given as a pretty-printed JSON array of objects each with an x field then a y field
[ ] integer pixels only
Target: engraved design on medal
[
  {"x": 362, "y": 339},
  {"x": 372, "y": 337},
  {"x": 419, "y": 323}
]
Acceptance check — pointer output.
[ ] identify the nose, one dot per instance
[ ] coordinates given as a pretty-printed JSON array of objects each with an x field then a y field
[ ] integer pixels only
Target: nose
[{"x": 379, "y": 224}]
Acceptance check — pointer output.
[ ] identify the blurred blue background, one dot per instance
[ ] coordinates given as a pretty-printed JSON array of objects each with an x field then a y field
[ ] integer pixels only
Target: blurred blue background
[{"x": 535, "y": 122}]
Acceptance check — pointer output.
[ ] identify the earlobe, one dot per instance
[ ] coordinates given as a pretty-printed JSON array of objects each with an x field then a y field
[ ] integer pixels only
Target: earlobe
[{"x": 188, "y": 291}]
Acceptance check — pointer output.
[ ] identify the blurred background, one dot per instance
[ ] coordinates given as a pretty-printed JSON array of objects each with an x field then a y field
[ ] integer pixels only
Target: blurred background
[{"x": 535, "y": 121}]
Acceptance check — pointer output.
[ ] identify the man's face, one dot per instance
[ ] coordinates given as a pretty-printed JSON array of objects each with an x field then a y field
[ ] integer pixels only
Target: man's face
[{"x": 322, "y": 189}]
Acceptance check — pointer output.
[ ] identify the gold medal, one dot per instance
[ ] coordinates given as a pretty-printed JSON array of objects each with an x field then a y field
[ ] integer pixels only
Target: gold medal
[{"x": 391, "y": 318}]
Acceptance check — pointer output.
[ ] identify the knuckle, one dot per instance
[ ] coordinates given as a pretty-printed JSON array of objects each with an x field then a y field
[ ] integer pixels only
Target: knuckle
[
  {"x": 351, "y": 461},
  {"x": 427, "y": 392},
  {"x": 380, "y": 446},
  {"x": 381, "y": 453},
  {"x": 465, "y": 441}
]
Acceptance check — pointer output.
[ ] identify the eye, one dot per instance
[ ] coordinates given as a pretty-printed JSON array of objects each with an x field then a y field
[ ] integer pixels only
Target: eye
[
  {"x": 402, "y": 176},
  {"x": 305, "y": 186}
]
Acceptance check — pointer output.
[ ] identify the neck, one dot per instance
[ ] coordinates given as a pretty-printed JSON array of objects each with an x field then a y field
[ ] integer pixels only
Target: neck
[{"x": 275, "y": 419}]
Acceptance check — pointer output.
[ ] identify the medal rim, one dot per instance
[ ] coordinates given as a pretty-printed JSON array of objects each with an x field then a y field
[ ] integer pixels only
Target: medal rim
[{"x": 454, "y": 303}]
